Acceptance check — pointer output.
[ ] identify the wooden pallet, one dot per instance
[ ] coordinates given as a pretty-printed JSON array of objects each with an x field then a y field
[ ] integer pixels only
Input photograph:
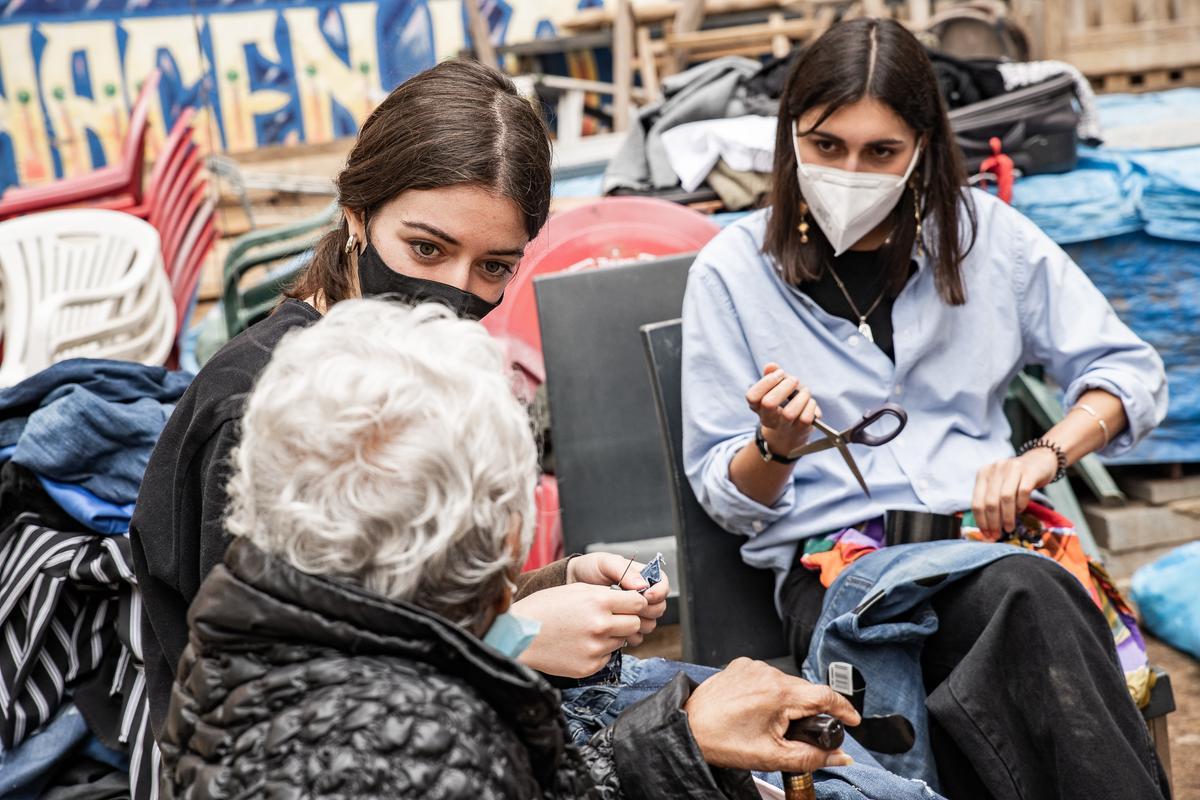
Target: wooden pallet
[
  {"x": 1147, "y": 81},
  {"x": 1124, "y": 45}
]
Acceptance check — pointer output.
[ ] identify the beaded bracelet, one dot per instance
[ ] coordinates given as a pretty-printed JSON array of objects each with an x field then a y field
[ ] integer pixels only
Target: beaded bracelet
[{"x": 1034, "y": 444}]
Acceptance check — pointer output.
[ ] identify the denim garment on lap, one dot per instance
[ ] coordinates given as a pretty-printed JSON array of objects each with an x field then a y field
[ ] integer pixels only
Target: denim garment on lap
[{"x": 877, "y": 615}]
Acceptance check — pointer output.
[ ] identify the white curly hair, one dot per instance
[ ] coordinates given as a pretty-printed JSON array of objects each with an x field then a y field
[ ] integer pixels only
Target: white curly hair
[{"x": 384, "y": 446}]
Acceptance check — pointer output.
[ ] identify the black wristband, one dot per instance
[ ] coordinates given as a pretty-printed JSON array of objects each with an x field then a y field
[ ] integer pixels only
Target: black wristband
[
  {"x": 1059, "y": 455},
  {"x": 764, "y": 449}
]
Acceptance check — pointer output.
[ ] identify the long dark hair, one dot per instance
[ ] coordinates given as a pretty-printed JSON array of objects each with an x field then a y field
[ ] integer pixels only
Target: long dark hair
[
  {"x": 875, "y": 58},
  {"x": 457, "y": 123}
]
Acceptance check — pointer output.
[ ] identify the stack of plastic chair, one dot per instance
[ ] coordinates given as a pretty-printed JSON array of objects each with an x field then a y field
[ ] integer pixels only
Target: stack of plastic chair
[
  {"x": 174, "y": 199},
  {"x": 122, "y": 178},
  {"x": 82, "y": 283},
  {"x": 177, "y": 203}
]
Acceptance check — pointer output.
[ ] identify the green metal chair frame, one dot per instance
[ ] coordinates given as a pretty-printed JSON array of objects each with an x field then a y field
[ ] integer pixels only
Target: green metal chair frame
[{"x": 244, "y": 307}]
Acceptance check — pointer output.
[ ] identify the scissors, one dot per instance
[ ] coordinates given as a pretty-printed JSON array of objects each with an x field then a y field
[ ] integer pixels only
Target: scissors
[{"x": 856, "y": 434}]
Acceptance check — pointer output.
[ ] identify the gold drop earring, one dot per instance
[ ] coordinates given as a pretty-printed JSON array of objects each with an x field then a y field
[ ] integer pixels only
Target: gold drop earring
[
  {"x": 803, "y": 226},
  {"x": 917, "y": 216}
]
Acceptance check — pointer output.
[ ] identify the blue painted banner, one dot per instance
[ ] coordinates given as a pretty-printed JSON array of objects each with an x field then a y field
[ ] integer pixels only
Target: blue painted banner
[{"x": 261, "y": 72}]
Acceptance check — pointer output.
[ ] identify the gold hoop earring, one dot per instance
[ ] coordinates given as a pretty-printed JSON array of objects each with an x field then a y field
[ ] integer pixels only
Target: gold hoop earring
[
  {"x": 917, "y": 216},
  {"x": 351, "y": 243},
  {"x": 803, "y": 226}
]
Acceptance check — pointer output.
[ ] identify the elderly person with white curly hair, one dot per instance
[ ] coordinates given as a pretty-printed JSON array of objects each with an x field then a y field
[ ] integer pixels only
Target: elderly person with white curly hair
[{"x": 356, "y": 641}]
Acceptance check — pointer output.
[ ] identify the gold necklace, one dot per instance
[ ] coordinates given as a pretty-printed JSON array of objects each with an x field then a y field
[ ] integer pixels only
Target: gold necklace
[{"x": 863, "y": 327}]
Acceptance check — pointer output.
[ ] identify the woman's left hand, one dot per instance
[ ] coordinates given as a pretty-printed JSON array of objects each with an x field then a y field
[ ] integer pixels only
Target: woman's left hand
[{"x": 1002, "y": 489}]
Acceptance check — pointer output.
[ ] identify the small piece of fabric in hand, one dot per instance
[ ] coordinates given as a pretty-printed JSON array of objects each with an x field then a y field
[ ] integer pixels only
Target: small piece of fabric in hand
[{"x": 653, "y": 572}]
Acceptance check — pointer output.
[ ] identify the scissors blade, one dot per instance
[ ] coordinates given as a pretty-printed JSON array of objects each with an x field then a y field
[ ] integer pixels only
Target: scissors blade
[
  {"x": 825, "y": 429},
  {"x": 832, "y": 439},
  {"x": 849, "y": 459},
  {"x": 813, "y": 447}
]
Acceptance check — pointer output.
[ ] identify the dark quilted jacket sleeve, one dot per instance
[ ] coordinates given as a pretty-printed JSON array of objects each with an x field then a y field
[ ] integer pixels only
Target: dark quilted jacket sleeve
[
  {"x": 655, "y": 755},
  {"x": 649, "y": 753}
]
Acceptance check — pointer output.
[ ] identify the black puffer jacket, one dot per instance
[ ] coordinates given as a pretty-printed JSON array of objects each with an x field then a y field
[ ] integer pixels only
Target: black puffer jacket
[{"x": 296, "y": 686}]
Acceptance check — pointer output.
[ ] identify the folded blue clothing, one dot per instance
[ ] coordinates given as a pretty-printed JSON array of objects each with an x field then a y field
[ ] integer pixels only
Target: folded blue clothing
[
  {"x": 85, "y": 440},
  {"x": 111, "y": 381},
  {"x": 1152, "y": 119},
  {"x": 96, "y": 513},
  {"x": 91, "y": 423},
  {"x": 1154, "y": 285}
]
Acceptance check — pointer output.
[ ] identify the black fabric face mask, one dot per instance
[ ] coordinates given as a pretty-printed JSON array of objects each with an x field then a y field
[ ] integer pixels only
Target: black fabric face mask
[{"x": 375, "y": 278}]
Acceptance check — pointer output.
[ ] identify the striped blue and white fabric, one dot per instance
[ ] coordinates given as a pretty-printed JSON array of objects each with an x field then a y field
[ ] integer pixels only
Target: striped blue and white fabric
[{"x": 70, "y": 614}]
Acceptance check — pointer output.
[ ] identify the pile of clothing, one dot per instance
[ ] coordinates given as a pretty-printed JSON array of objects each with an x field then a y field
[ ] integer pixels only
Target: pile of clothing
[
  {"x": 1154, "y": 285},
  {"x": 717, "y": 90},
  {"x": 74, "y": 443},
  {"x": 1040, "y": 530}
]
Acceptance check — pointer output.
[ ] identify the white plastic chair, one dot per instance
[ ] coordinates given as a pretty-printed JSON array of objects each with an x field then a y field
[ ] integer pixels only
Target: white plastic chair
[{"x": 82, "y": 283}]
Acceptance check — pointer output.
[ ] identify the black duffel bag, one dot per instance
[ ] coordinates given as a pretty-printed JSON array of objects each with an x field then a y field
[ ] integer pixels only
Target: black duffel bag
[{"x": 1036, "y": 125}]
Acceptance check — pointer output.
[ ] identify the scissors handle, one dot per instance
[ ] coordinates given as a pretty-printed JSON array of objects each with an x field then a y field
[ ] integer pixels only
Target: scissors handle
[{"x": 859, "y": 434}]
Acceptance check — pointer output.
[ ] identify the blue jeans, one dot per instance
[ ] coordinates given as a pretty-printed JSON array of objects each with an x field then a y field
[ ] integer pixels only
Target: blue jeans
[
  {"x": 111, "y": 381},
  {"x": 90, "y": 422},
  {"x": 25, "y": 770},
  {"x": 591, "y": 708},
  {"x": 877, "y": 616}
]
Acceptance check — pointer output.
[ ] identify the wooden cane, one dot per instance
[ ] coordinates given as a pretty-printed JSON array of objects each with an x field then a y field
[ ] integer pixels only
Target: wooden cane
[{"x": 821, "y": 731}]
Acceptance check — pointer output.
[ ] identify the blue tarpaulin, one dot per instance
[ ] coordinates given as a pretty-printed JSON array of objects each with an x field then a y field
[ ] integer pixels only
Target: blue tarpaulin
[
  {"x": 1131, "y": 219},
  {"x": 1154, "y": 285}
]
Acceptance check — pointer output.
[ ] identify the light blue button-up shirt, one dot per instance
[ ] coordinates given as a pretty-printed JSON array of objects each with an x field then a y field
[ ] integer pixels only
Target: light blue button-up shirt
[{"x": 1027, "y": 303}]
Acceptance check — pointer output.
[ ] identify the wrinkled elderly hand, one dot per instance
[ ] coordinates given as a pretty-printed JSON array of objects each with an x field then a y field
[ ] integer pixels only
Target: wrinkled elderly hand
[
  {"x": 740, "y": 715},
  {"x": 606, "y": 569},
  {"x": 582, "y": 624}
]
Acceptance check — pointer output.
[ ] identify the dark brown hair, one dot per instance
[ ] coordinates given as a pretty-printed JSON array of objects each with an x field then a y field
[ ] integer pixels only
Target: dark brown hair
[
  {"x": 457, "y": 123},
  {"x": 880, "y": 59}
]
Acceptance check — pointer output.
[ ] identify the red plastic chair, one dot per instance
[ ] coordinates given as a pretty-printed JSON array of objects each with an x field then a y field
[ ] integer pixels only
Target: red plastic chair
[
  {"x": 547, "y": 544},
  {"x": 195, "y": 242},
  {"x": 123, "y": 177},
  {"x": 178, "y": 214},
  {"x": 610, "y": 231},
  {"x": 162, "y": 176},
  {"x": 175, "y": 205}
]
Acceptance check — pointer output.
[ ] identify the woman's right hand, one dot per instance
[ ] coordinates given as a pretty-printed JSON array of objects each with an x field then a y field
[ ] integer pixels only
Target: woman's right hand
[{"x": 786, "y": 423}]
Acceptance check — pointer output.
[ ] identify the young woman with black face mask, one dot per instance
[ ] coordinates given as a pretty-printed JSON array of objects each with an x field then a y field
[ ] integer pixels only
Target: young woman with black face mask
[
  {"x": 448, "y": 181},
  {"x": 877, "y": 277}
]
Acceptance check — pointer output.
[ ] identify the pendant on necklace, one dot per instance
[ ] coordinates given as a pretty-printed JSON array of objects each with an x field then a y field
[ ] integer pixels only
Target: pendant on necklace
[{"x": 866, "y": 331}]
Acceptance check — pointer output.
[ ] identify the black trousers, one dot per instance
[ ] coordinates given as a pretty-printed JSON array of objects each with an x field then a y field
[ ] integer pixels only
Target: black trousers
[{"x": 1026, "y": 698}]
